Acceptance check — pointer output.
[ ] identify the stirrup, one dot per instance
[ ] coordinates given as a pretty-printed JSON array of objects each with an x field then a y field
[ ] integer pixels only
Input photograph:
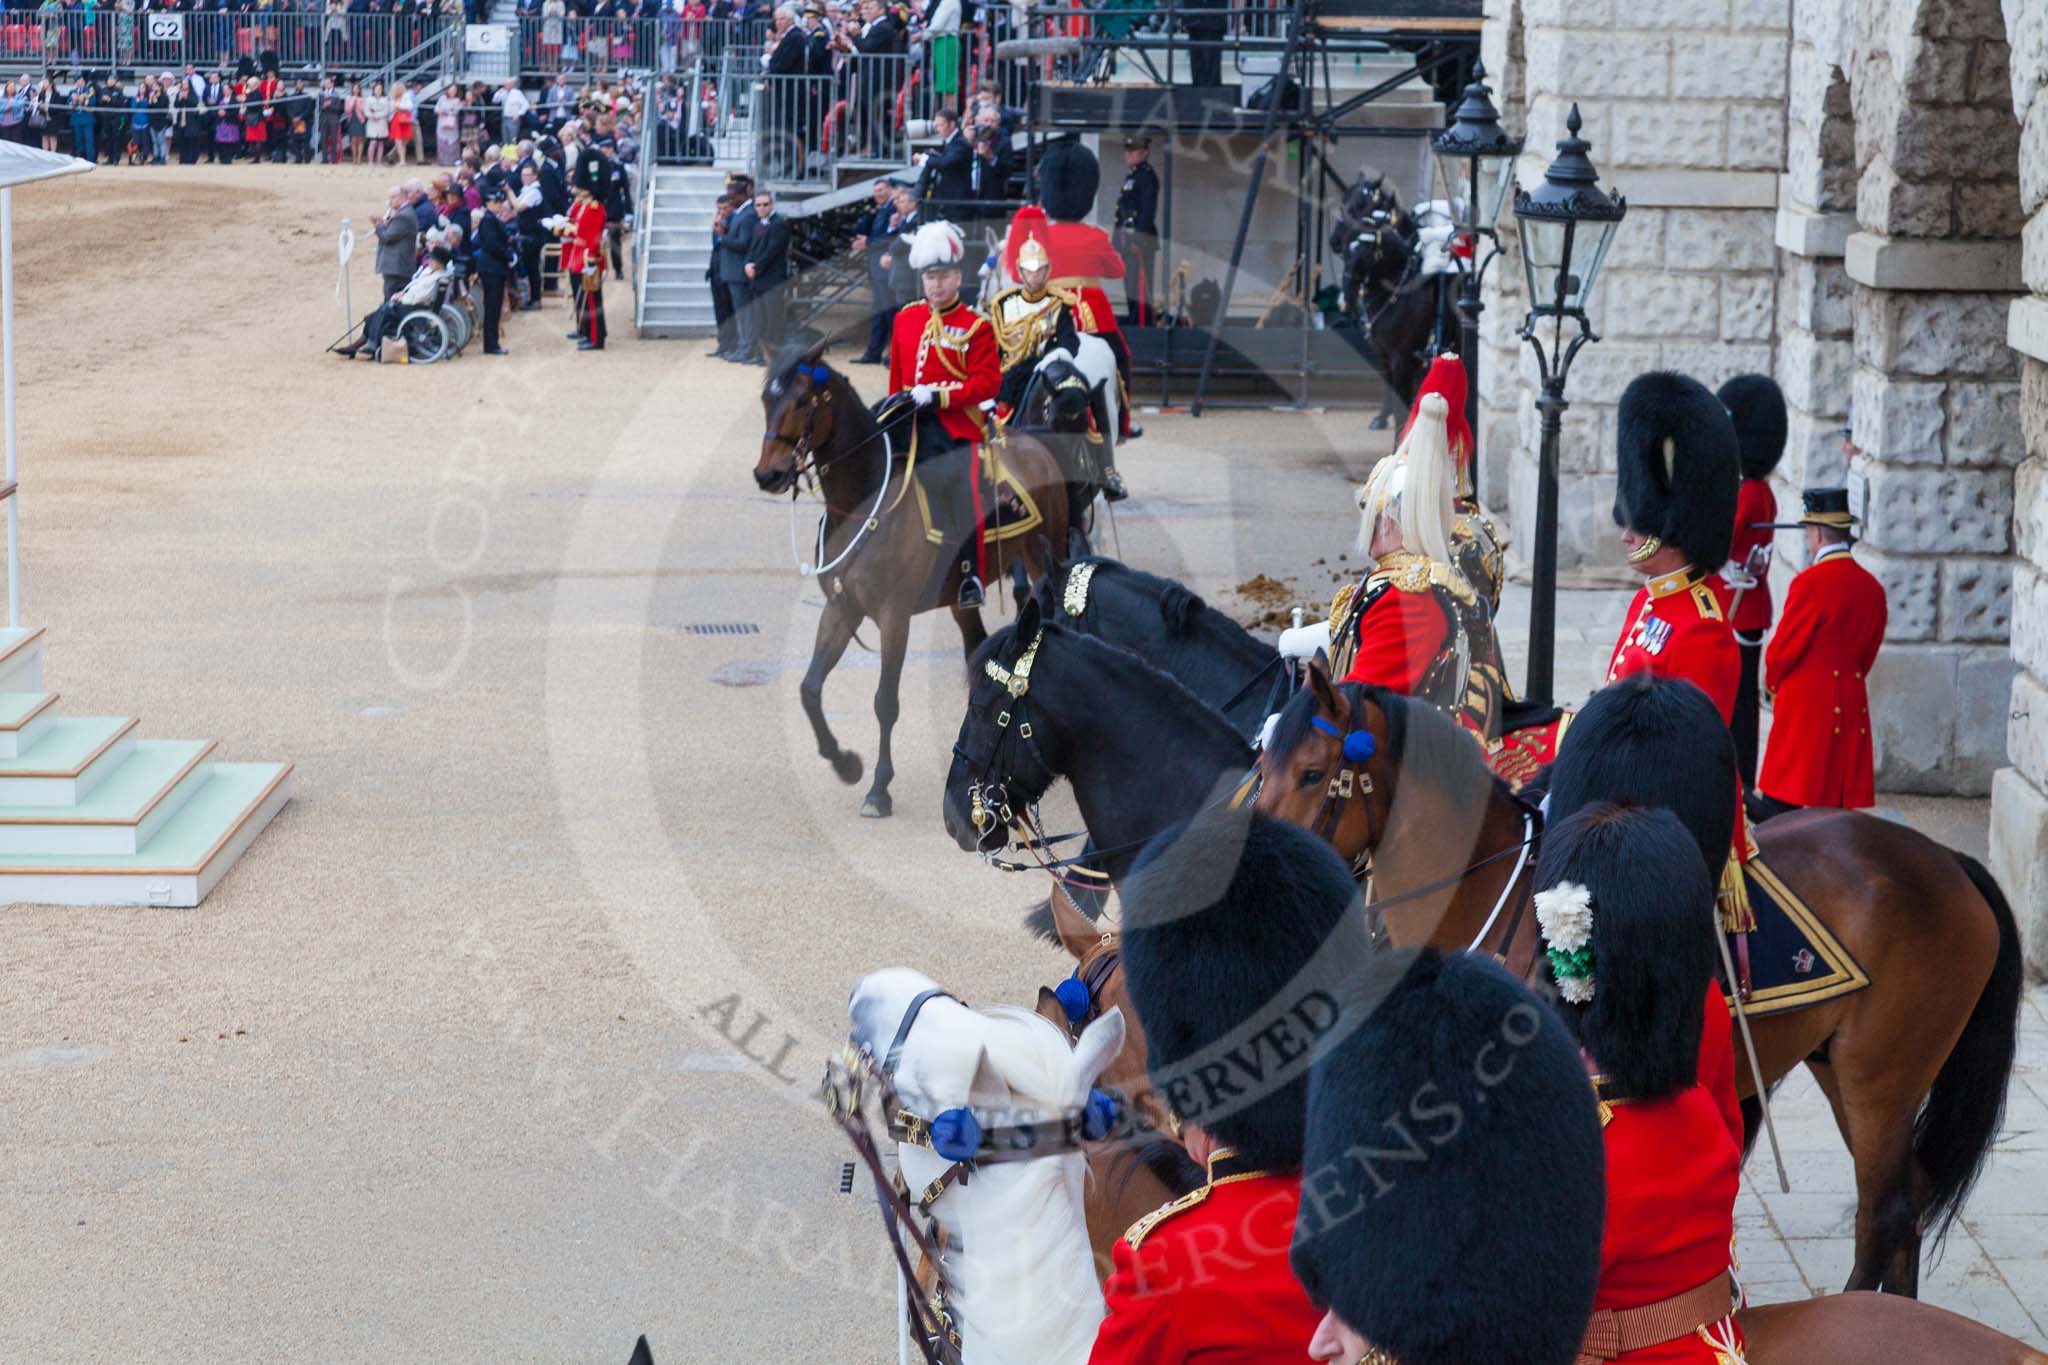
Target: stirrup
[
  {"x": 971, "y": 594},
  {"x": 1113, "y": 487}
]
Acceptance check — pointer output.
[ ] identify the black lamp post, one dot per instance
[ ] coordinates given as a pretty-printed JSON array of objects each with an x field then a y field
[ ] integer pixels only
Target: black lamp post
[
  {"x": 1474, "y": 159},
  {"x": 1566, "y": 224}
]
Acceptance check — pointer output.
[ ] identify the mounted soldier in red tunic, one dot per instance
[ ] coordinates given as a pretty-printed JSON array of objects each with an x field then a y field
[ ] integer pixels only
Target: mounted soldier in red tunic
[
  {"x": 1677, "y": 471},
  {"x": 1478, "y": 548}
]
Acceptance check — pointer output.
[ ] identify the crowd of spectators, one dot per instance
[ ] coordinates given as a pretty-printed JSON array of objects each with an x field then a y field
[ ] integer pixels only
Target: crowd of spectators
[{"x": 261, "y": 115}]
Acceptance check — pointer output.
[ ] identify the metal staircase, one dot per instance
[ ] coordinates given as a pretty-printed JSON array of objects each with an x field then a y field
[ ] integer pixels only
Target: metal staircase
[{"x": 675, "y": 240}]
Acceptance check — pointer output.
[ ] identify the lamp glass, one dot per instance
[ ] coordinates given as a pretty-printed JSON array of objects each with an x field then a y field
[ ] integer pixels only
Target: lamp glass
[{"x": 1546, "y": 245}]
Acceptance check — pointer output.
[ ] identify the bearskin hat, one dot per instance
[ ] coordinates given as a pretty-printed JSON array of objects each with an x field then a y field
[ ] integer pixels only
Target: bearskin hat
[
  {"x": 1453, "y": 1188},
  {"x": 1756, "y": 405},
  {"x": 1677, "y": 467},
  {"x": 1243, "y": 946},
  {"x": 1629, "y": 882},
  {"x": 1068, "y": 178},
  {"x": 935, "y": 243},
  {"x": 589, "y": 173},
  {"x": 1652, "y": 741}
]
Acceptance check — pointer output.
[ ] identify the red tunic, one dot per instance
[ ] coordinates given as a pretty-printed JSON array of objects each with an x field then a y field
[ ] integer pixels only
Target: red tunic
[
  {"x": 1834, "y": 621},
  {"x": 1672, "y": 1174},
  {"x": 584, "y": 244},
  {"x": 1677, "y": 628},
  {"x": 1206, "y": 1278},
  {"x": 1756, "y": 507},
  {"x": 1399, "y": 637},
  {"x": 956, "y": 354}
]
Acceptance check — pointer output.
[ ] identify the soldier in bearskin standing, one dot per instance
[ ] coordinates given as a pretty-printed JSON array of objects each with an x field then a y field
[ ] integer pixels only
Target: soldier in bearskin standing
[
  {"x": 1834, "y": 622},
  {"x": 1239, "y": 931},
  {"x": 583, "y": 253},
  {"x": 1626, "y": 909},
  {"x": 1757, "y": 407},
  {"x": 1678, "y": 471},
  {"x": 1451, "y": 1189}
]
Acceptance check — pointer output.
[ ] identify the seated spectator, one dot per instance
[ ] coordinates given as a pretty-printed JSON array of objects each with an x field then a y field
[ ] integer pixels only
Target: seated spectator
[{"x": 382, "y": 321}]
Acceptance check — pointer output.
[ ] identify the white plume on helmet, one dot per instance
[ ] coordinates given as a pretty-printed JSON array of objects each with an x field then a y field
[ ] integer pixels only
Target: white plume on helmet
[
  {"x": 1412, "y": 487},
  {"x": 936, "y": 244}
]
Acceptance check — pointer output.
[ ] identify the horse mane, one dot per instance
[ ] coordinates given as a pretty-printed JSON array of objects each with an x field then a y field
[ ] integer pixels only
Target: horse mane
[
  {"x": 1180, "y": 608},
  {"x": 1421, "y": 741}
]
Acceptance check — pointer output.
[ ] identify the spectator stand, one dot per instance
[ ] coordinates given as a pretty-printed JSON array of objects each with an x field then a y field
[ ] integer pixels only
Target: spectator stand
[{"x": 1252, "y": 169}]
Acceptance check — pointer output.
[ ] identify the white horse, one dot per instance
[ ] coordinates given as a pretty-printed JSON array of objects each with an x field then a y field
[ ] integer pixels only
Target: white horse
[
  {"x": 1097, "y": 363},
  {"x": 1017, "y": 1269}
]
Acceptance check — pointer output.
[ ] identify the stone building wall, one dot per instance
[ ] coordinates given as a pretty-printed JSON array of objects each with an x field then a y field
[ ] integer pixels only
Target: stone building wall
[{"x": 2019, "y": 794}]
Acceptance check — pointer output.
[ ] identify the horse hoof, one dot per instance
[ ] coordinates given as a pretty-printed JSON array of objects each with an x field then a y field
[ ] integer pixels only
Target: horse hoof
[
  {"x": 1377, "y": 424},
  {"x": 877, "y": 807},
  {"x": 847, "y": 768}
]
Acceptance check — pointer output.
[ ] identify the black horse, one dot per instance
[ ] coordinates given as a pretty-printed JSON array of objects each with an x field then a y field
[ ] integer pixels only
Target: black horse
[
  {"x": 1059, "y": 406},
  {"x": 1141, "y": 751},
  {"x": 1407, "y": 316},
  {"x": 1172, "y": 629}
]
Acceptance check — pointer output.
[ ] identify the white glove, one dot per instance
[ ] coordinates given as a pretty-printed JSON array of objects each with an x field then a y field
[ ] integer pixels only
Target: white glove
[
  {"x": 923, "y": 395},
  {"x": 1302, "y": 642},
  {"x": 1737, "y": 575},
  {"x": 1266, "y": 731}
]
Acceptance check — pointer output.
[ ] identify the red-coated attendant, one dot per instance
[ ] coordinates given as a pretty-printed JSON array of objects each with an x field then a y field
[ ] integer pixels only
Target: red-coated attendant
[
  {"x": 1256, "y": 954},
  {"x": 1757, "y": 408},
  {"x": 583, "y": 261},
  {"x": 1677, "y": 471},
  {"x": 942, "y": 352},
  {"x": 1625, "y": 906},
  {"x": 1816, "y": 665}
]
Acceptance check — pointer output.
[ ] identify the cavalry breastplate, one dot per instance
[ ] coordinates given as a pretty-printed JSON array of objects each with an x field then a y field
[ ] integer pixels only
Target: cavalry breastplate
[
  {"x": 1465, "y": 678},
  {"x": 1024, "y": 326}
]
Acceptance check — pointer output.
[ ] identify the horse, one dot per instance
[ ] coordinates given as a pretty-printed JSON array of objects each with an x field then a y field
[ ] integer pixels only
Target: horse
[
  {"x": 1915, "y": 1065},
  {"x": 1140, "y": 750},
  {"x": 873, "y": 558},
  {"x": 1171, "y": 628},
  {"x": 1016, "y": 1273},
  {"x": 1063, "y": 405}
]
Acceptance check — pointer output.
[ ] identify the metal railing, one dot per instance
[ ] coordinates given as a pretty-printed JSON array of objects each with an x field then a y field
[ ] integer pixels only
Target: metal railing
[{"x": 302, "y": 41}]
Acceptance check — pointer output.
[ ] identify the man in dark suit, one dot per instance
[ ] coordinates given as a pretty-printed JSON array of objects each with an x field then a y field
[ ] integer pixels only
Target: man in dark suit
[
  {"x": 768, "y": 270},
  {"x": 732, "y": 272},
  {"x": 495, "y": 261},
  {"x": 905, "y": 285},
  {"x": 947, "y": 182},
  {"x": 877, "y": 73},
  {"x": 784, "y": 96},
  {"x": 871, "y": 239},
  {"x": 398, "y": 236}
]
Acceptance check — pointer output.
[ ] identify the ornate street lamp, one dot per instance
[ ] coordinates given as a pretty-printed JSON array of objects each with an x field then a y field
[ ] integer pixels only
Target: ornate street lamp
[
  {"x": 1474, "y": 159},
  {"x": 1566, "y": 224}
]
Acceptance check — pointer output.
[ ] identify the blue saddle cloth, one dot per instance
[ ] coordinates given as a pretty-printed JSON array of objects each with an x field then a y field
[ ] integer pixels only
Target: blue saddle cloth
[{"x": 1794, "y": 961}]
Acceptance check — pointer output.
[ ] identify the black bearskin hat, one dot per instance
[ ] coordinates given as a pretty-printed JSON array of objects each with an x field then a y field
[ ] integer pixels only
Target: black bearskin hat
[
  {"x": 1244, "y": 945},
  {"x": 1651, "y": 741},
  {"x": 1756, "y": 405},
  {"x": 588, "y": 173},
  {"x": 1677, "y": 470},
  {"x": 1453, "y": 1189},
  {"x": 1632, "y": 877},
  {"x": 1068, "y": 178}
]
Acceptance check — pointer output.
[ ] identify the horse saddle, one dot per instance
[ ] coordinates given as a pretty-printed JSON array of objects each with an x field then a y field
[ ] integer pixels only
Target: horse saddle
[{"x": 1794, "y": 959}]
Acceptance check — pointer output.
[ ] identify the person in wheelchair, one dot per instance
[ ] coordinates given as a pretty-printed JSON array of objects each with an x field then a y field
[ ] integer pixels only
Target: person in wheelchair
[{"x": 423, "y": 290}]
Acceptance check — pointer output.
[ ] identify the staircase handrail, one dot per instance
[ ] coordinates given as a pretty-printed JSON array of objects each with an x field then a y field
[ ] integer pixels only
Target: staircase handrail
[{"x": 424, "y": 55}]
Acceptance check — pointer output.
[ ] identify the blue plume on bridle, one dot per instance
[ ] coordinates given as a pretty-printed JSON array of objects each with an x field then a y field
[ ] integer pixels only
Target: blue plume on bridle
[{"x": 1358, "y": 744}]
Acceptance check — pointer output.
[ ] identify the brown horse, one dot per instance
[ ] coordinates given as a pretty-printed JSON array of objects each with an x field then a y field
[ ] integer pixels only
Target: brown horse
[
  {"x": 1915, "y": 1065},
  {"x": 1865, "y": 1327},
  {"x": 874, "y": 560}
]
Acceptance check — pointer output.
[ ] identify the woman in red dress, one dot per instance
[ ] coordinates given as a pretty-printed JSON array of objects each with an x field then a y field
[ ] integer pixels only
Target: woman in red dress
[{"x": 1627, "y": 913}]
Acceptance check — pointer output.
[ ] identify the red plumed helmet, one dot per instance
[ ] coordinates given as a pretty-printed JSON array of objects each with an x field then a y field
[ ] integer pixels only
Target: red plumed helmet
[{"x": 1447, "y": 377}]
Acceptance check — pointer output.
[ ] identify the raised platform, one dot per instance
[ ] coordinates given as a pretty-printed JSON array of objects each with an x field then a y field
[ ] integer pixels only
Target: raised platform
[
  {"x": 1260, "y": 364},
  {"x": 90, "y": 814}
]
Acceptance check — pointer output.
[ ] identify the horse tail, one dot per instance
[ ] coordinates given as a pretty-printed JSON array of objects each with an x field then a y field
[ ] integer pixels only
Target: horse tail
[
  {"x": 1086, "y": 899},
  {"x": 1960, "y": 1120},
  {"x": 1179, "y": 608}
]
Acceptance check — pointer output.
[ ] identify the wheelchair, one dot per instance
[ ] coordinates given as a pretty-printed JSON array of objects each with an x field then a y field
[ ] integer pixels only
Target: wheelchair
[{"x": 439, "y": 331}]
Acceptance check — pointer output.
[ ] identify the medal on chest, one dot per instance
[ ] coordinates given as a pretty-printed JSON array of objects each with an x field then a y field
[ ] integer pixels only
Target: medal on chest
[{"x": 1651, "y": 634}]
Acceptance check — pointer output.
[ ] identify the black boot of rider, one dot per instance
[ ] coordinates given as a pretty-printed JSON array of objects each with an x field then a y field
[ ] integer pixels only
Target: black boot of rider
[{"x": 1113, "y": 489}]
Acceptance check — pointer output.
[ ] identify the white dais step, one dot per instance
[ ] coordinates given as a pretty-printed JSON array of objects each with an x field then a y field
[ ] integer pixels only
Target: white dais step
[
  {"x": 21, "y": 660},
  {"x": 123, "y": 812},
  {"x": 67, "y": 761},
  {"x": 182, "y": 861},
  {"x": 24, "y": 716}
]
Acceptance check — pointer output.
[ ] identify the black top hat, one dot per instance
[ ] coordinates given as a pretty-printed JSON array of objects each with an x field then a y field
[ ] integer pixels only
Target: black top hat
[{"x": 1827, "y": 507}]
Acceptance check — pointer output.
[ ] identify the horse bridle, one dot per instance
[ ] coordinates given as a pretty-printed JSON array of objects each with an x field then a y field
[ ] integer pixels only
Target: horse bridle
[
  {"x": 1350, "y": 777},
  {"x": 803, "y": 455},
  {"x": 1080, "y": 995},
  {"x": 988, "y": 798},
  {"x": 953, "y": 1134}
]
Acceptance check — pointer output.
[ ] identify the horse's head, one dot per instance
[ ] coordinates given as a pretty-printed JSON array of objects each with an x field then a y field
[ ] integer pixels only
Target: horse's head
[
  {"x": 1326, "y": 766},
  {"x": 999, "y": 769},
  {"x": 1096, "y": 988},
  {"x": 796, "y": 404},
  {"x": 1069, "y": 398},
  {"x": 1007, "y": 1095}
]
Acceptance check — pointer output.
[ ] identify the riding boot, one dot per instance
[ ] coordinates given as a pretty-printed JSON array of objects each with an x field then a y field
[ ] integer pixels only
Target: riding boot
[{"x": 1113, "y": 489}]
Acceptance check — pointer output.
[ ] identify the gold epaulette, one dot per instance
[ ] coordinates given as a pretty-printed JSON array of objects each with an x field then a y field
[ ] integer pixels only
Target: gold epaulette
[
  {"x": 1338, "y": 603},
  {"x": 1413, "y": 573},
  {"x": 1708, "y": 605},
  {"x": 1138, "y": 1231}
]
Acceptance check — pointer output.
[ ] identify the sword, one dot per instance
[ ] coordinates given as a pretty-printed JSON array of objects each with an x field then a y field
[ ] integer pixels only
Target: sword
[{"x": 1763, "y": 1096}]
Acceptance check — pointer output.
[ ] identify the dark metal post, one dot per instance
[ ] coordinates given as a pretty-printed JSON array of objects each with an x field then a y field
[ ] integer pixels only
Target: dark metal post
[{"x": 1543, "y": 591}]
